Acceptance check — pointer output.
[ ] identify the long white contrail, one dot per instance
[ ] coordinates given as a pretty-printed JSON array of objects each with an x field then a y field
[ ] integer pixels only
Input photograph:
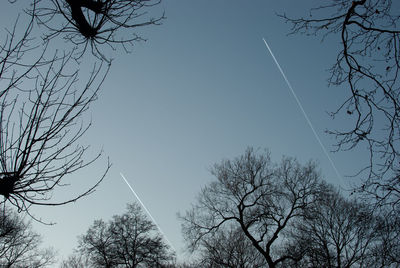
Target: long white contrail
[
  {"x": 304, "y": 112},
  {"x": 147, "y": 211}
]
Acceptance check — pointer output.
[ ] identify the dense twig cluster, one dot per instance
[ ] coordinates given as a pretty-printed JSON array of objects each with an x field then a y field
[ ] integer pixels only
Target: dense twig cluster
[{"x": 91, "y": 23}]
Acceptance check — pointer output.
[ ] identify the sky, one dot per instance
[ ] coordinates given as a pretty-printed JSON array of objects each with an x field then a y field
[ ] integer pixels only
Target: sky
[{"x": 202, "y": 88}]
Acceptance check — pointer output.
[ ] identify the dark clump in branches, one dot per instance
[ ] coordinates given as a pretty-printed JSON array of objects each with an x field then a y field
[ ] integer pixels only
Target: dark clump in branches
[
  {"x": 368, "y": 62},
  {"x": 95, "y": 22},
  {"x": 87, "y": 30},
  {"x": 7, "y": 183}
]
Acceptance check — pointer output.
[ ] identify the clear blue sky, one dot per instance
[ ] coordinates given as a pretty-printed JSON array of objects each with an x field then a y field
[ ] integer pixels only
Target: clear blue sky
[{"x": 201, "y": 89}]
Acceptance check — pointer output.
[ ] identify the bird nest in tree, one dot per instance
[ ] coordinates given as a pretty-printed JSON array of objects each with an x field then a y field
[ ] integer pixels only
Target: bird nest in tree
[
  {"x": 95, "y": 22},
  {"x": 7, "y": 183}
]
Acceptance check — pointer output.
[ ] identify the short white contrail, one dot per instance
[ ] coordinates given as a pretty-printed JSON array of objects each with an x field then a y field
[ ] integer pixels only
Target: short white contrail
[
  {"x": 304, "y": 112},
  {"x": 147, "y": 211}
]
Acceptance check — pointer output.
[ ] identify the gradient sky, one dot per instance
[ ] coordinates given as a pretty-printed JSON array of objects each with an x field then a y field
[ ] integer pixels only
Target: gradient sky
[{"x": 202, "y": 88}]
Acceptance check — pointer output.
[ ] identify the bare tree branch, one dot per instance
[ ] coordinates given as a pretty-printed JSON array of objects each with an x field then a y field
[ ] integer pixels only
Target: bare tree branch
[
  {"x": 368, "y": 63},
  {"x": 41, "y": 108}
]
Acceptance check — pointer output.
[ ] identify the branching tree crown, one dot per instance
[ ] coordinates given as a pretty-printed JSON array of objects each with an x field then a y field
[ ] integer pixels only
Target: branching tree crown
[
  {"x": 19, "y": 245},
  {"x": 259, "y": 197},
  {"x": 41, "y": 108},
  {"x": 284, "y": 214},
  {"x": 128, "y": 240}
]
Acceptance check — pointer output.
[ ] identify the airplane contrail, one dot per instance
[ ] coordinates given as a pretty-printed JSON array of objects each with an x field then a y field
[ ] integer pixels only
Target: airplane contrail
[
  {"x": 304, "y": 112},
  {"x": 147, "y": 211}
]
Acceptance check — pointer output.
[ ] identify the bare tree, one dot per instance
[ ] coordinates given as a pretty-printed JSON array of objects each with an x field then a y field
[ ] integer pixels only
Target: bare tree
[
  {"x": 337, "y": 232},
  {"x": 261, "y": 198},
  {"x": 41, "y": 107},
  {"x": 91, "y": 23},
  {"x": 368, "y": 63},
  {"x": 43, "y": 101},
  {"x": 128, "y": 240},
  {"x": 387, "y": 251},
  {"x": 19, "y": 245}
]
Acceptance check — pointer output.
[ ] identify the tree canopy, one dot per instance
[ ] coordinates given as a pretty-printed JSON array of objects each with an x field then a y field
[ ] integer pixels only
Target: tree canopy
[
  {"x": 19, "y": 245},
  {"x": 127, "y": 240},
  {"x": 259, "y": 197},
  {"x": 257, "y": 213}
]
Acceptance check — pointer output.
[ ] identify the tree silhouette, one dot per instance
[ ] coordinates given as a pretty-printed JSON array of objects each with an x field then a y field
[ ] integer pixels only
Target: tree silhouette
[
  {"x": 368, "y": 63},
  {"x": 259, "y": 197},
  {"x": 337, "y": 232},
  {"x": 128, "y": 240},
  {"x": 284, "y": 214},
  {"x": 19, "y": 245}
]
